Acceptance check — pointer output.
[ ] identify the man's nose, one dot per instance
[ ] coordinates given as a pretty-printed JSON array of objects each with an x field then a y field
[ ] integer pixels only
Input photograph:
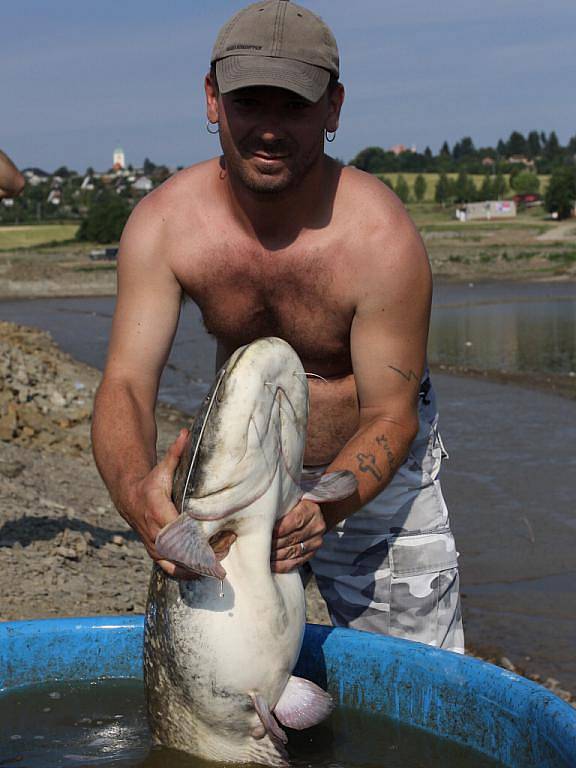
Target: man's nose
[{"x": 270, "y": 126}]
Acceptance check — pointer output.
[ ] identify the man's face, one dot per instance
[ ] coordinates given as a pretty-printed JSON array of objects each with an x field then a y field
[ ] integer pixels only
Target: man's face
[{"x": 271, "y": 137}]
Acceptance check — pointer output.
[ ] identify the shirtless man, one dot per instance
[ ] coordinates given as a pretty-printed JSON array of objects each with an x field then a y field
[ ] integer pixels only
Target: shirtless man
[{"x": 276, "y": 238}]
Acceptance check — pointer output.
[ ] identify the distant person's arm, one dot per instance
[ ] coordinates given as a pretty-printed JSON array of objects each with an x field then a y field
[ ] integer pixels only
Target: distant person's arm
[
  {"x": 123, "y": 426},
  {"x": 11, "y": 180}
]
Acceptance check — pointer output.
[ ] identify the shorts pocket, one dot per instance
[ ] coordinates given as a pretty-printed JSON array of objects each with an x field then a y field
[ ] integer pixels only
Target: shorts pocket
[
  {"x": 422, "y": 553},
  {"x": 424, "y": 590}
]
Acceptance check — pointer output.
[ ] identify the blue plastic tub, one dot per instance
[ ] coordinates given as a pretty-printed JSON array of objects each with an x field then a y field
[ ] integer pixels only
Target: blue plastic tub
[{"x": 465, "y": 700}]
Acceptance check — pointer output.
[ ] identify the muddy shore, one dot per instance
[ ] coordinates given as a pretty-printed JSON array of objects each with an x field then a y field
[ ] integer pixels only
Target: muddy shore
[{"x": 64, "y": 551}]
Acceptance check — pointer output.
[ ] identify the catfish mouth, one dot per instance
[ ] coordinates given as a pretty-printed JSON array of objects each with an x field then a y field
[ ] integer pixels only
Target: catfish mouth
[
  {"x": 197, "y": 433},
  {"x": 280, "y": 403},
  {"x": 250, "y": 499}
]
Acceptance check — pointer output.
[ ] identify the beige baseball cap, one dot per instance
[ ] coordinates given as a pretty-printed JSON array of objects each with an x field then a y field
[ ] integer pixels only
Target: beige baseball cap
[{"x": 276, "y": 43}]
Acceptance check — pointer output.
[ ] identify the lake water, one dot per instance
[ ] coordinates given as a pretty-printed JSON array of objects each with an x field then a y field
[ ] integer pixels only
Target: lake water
[
  {"x": 505, "y": 326},
  {"x": 510, "y": 481},
  {"x": 494, "y": 326},
  {"x": 63, "y": 725}
]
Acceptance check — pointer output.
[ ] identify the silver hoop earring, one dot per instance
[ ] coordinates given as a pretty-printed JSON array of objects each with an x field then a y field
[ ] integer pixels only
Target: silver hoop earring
[
  {"x": 212, "y": 132},
  {"x": 328, "y": 138}
]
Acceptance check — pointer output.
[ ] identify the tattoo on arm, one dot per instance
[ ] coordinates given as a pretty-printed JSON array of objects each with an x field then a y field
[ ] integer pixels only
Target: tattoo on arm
[
  {"x": 381, "y": 440},
  {"x": 410, "y": 376},
  {"x": 367, "y": 463}
]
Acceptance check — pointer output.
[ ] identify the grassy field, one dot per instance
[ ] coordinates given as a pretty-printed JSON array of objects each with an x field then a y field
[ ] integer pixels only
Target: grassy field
[
  {"x": 432, "y": 180},
  {"x": 34, "y": 235}
]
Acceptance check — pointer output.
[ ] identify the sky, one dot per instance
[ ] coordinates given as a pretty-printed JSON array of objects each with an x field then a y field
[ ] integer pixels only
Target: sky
[{"x": 81, "y": 77}]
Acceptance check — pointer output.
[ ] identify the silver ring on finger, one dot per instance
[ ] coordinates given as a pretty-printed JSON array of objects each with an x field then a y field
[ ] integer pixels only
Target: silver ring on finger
[{"x": 302, "y": 548}]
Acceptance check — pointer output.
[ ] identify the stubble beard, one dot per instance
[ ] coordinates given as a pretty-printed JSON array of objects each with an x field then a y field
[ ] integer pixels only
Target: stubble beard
[{"x": 270, "y": 184}]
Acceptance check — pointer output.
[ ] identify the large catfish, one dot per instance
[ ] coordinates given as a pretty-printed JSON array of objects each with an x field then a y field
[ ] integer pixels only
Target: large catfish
[{"x": 219, "y": 652}]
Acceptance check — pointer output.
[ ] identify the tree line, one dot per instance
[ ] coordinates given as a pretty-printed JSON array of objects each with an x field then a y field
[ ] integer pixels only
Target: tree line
[{"x": 543, "y": 151}]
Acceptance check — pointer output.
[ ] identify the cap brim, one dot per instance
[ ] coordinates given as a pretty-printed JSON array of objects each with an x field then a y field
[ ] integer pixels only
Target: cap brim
[{"x": 245, "y": 71}]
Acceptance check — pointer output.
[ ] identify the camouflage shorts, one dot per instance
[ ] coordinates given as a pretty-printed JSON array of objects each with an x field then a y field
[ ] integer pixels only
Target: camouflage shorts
[{"x": 392, "y": 567}]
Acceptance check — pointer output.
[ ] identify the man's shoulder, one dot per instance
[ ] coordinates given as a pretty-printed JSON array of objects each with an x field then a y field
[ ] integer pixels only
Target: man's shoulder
[
  {"x": 372, "y": 207},
  {"x": 169, "y": 213},
  {"x": 369, "y": 198},
  {"x": 386, "y": 242},
  {"x": 181, "y": 189}
]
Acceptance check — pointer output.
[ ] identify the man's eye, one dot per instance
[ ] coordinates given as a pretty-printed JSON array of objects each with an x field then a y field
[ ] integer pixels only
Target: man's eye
[
  {"x": 245, "y": 103},
  {"x": 297, "y": 105}
]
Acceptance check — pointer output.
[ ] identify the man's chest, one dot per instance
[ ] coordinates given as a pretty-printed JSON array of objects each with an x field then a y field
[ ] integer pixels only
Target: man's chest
[{"x": 300, "y": 296}]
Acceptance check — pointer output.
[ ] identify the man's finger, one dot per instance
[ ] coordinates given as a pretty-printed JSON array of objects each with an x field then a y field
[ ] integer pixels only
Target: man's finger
[
  {"x": 296, "y": 552},
  {"x": 285, "y": 566},
  {"x": 174, "y": 452},
  {"x": 295, "y": 520},
  {"x": 177, "y": 571}
]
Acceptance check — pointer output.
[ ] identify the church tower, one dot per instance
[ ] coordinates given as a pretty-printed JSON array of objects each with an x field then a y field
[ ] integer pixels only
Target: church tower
[{"x": 118, "y": 159}]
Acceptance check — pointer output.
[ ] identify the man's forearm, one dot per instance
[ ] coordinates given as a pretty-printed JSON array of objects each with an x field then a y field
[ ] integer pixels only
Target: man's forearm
[
  {"x": 373, "y": 454},
  {"x": 123, "y": 439}
]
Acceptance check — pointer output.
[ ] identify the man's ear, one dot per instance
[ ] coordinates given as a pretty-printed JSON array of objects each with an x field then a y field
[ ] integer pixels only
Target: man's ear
[
  {"x": 336, "y": 99},
  {"x": 211, "y": 99}
]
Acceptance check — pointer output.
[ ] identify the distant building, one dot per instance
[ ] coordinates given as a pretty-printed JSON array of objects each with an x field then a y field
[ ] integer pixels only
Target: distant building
[
  {"x": 488, "y": 209},
  {"x": 398, "y": 149},
  {"x": 521, "y": 160},
  {"x": 35, "y": 176},
  {"x": 488, "y": 162},
  {"x": 54, "y": 196},
  {"x": 118, "y": 159},
  {"x": 143, "y": 184}
]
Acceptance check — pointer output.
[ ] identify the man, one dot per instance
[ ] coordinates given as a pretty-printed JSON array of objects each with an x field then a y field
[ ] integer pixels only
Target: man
[
  {"x": 11, "y": 180},
  {"x": 276, "y": 238}
]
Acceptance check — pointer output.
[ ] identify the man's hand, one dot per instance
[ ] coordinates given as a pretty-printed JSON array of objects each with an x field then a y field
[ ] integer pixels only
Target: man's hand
[
  {"x": 152, "y": 507},
  {"x": 303, "y": 525}
]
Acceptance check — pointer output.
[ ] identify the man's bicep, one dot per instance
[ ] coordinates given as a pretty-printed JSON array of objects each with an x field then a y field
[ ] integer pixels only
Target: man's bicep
[
  {"x": 388, "y": 342},
  {"x": 147, "y": 309}
]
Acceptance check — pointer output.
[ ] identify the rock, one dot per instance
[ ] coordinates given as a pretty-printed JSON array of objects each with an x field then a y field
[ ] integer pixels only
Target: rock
[
  {"x": 66, "y": 552},
  {"x": 11, "y": 469},
  {"x": 8, "y": 425},
  {"x": 118, "y": 540},
  {"x": 505, "y": 662},
  {"x": 57, "y": 399}
]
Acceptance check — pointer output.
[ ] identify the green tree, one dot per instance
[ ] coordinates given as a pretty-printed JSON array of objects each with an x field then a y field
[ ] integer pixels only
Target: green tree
[
  {"x": 63, "y": 172},
  {"x": 402, "y": 189},
  {"x": 148, "y": 167},
  {"x": 552, "y": 149},
  {"x": 561, "y": 192},
  {"x": 500, "y": 187},
  {"x": 420, "y": 188},
  {"x": 516, "y": 144},
  {"x": 464, "y": 148},
  {"x": 371, "y": 159},
  {"x": 105, "y": 220},
  {"x": 443, "y": 191},
  {"x": 465, "y": 189},
  {"x": 525, "y": 183},
  {"x": 486, "y": 191},
  {"x": 534, "y": 145}
]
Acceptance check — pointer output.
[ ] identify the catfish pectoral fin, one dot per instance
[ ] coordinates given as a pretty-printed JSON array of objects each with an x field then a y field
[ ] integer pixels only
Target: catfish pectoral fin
[
  {"x": 332, "y": 486},
  {"x": 183, "y": 542},
  {"x": 268, "y": 720},
  {"x": 303, "y": 704}
]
